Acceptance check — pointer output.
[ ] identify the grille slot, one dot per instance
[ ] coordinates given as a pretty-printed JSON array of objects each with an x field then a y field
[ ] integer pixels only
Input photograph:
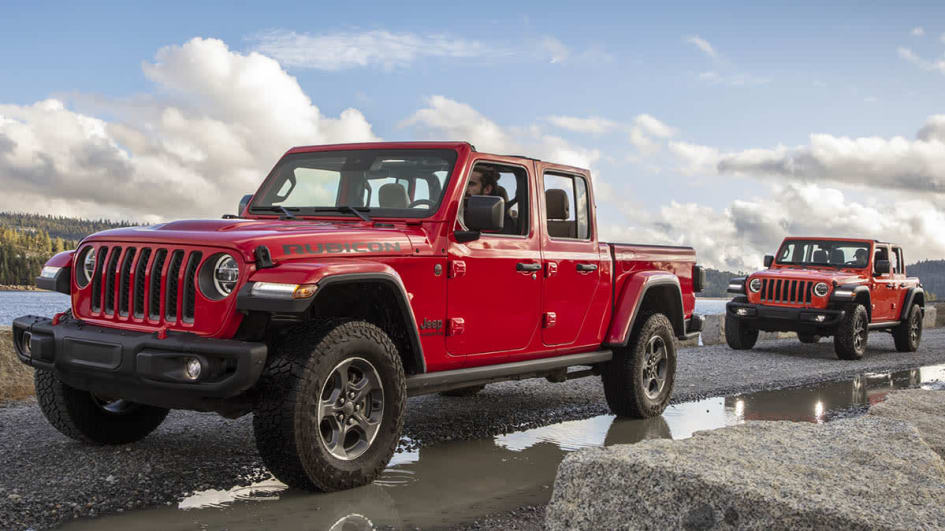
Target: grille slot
[
  {"x": 786, "y": 291},
  {"x": 141, "y": 270},
  {"x": 100, "y": 256},
  {"x": 110, "y": 273},
  {"x": 154, "y": 290},
  {"x": 124, "y": 282},
  {"x": 172, "y": 285},
  {"x": 190, "y": 286}
]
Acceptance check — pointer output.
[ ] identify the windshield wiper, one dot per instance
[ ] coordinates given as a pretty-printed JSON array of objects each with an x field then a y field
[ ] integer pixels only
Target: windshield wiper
[
  {"x": 357, "y": 211},
  {"x": 284, "y": 212}
]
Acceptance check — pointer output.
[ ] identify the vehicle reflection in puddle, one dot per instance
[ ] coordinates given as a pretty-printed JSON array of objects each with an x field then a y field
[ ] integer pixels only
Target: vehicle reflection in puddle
[{"x": 459, "y": 481}]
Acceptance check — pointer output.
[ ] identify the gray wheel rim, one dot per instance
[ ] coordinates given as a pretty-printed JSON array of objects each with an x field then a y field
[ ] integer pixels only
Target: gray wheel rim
[
  {"x": 859, "y": 334},
  {"x": 655, "y": 361},
  {"x": 915, "y": 329},
  {"x": 350, "y": 408},
  {"x": 115, "y": 406}
]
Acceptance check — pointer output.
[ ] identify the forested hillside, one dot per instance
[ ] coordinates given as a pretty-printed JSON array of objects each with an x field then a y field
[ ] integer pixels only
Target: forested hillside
[
  {"x": 28, "y": 240},
  {"x": 932, "y": 275}
]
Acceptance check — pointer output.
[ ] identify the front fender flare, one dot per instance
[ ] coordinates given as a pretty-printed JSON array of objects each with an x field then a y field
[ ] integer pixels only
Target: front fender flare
[{"x": 329, "y": 273}]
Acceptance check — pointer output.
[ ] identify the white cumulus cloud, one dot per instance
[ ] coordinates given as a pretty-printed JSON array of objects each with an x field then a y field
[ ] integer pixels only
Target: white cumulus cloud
[
  {"x": 222, "y": 120},
  {"x": 736, "y": 237},
  {"x": 446, "y": 118}
]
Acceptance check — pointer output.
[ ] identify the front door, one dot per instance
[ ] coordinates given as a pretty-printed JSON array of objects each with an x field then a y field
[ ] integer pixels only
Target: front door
[
  {"x": 883, "y": 294},
  {"x": 494, "y": 283},
  {"x": 570, "y": 255}
]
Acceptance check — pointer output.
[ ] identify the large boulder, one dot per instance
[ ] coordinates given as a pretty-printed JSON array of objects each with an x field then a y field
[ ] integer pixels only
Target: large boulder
[
  {"x": 864, "y": 473},
  {"x": 924, "y": 409}
]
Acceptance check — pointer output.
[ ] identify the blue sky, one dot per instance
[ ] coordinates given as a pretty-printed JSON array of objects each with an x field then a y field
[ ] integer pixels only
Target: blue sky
[{"x": 687, "y": 112}]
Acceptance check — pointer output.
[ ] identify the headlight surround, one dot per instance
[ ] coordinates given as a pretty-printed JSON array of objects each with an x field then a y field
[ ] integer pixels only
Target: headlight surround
[
  {"x": 755, "y": 285},
  {"x": 225, "y": 275},
  {"x": 218, "y": 276},
  {"x": 85, "y": 266},
  {"x": 821, "y": 289}
]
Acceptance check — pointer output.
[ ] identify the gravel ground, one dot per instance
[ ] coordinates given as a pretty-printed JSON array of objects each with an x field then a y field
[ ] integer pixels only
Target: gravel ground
[{"x": 48, "y": 478}]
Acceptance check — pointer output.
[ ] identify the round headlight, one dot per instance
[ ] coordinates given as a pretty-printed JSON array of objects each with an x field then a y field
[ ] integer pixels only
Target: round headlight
[
  {"x": 821, "y": 289},
  {"x": 226, "y": 272},
  {"x": 84, "y": 267},
  {"x": 755, "y": 285},
  {"x": 88, "y": 265}
]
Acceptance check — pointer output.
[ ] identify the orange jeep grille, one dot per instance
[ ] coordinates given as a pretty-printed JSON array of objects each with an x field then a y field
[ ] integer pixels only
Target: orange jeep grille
[{"x": 786, "y": 291}]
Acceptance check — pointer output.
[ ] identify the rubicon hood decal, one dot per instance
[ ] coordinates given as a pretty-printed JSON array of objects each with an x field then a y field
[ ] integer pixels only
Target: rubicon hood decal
[{"x": 341, "y": 247}]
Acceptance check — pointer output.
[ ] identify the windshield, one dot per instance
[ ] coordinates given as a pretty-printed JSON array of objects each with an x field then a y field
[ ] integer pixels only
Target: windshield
[
  {"x": 384, "y": 183},
  {"x": 824, "y": 253}
]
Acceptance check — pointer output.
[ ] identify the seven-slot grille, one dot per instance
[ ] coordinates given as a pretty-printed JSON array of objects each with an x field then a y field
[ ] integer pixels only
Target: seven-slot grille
[
  {"x": 156, "y": 284},
  {"x": 786, "y": 291}
]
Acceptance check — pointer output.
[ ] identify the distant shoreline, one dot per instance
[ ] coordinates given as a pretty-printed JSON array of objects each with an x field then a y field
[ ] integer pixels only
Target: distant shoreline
[{"x": 14, "y": 287}]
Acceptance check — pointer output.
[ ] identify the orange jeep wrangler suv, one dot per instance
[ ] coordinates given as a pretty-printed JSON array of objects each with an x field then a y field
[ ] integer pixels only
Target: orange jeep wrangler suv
[{"x": 821, "y": 287}]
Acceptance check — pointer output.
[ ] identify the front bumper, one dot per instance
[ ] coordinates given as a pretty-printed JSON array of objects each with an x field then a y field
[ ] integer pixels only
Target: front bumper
[
  {"x": 139, "y": 366},
  {"x": 782, "y": 319}
]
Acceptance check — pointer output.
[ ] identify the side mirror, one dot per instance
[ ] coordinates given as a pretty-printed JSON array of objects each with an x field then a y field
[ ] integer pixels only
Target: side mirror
[
  {"x": 243, "y": 202},
  {"x": 482, "y": 213},
  {"x": 882, "y": 267},
  {"x": 769, "y": 259}
]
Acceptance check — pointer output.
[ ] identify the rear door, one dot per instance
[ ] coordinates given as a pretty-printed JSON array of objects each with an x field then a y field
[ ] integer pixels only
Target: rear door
[
  {"x": 898, "y": 295},
  {"x": 494, "y": 282},
  {"x": 570, "y": 255}
]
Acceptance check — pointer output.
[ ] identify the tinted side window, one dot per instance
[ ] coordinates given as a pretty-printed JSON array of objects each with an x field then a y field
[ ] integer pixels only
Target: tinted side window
[
  {"x": 567, "y": 207},
  {"x": 895, "y": 264},
  {"x": 511, "y": 184}
]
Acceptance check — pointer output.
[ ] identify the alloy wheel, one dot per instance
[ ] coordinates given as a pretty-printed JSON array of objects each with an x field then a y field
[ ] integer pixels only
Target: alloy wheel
[
  {"x": 655, "y": 361},
  {"x": 350, "y": 408}
]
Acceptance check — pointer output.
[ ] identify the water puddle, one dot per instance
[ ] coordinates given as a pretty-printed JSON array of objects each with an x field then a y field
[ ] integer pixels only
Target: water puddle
[{"x": 459, "y": 481}]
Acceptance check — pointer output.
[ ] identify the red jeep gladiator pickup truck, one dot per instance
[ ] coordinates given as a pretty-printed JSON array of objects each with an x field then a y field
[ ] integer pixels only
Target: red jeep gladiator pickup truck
[
  {"x": 356, "y": 276},
  {"x": 829, "y": 287}
]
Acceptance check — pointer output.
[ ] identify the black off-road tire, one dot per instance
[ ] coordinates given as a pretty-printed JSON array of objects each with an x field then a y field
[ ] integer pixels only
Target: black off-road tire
[
  {"x": 849, "y": 341},
  {"x": 464, "y": 391},
  {"x": 624, "y": 375},
  {"x": 285, "y": 422},
  {"x": 908, "y": 334},
  {"x": 810, "y": 339},
  {"x": 83, "y": 417},
  {"x": 739, "y": 335}
]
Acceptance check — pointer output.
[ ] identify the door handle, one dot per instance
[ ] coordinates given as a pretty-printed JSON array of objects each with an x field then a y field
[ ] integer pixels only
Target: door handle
[
  {"x": 527, "y": 266},
  {"x": 586, "y": 267}
]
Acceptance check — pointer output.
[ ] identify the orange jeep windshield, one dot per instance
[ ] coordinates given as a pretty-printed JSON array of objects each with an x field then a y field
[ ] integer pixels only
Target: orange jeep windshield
[
  {"x": 824, "y": 253},
  {"x": 382, "y": 183}
]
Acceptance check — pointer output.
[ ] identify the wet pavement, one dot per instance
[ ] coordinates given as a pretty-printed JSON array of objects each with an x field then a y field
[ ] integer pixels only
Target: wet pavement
[{"x": 456, "y": 482}]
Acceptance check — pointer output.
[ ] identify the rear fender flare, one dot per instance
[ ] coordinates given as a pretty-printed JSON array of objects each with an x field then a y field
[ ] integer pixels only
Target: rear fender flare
[
  {"x": 913, "y": 296},
  {"x": 630, "y": 300}
]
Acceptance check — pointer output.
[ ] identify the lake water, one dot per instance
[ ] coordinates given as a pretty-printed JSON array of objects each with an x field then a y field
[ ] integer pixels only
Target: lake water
[{"x": 13, "y": 304}]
